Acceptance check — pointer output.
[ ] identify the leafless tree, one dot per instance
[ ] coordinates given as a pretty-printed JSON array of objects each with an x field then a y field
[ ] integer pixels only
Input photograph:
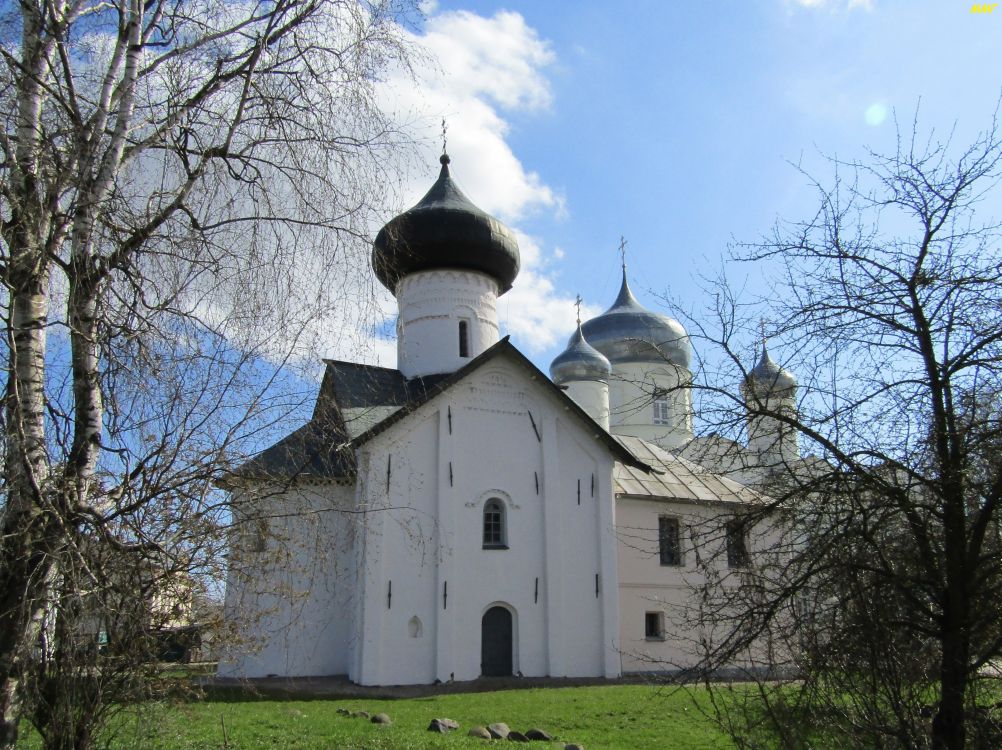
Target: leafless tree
[
  {"x": 881, "y": 593},
  {"x": 185, "y": 189}
]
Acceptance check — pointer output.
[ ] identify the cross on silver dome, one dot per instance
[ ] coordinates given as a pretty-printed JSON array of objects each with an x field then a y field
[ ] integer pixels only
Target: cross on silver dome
[
  {"x": 580, "y": 360},
  {"x": 629, "y": 332}
]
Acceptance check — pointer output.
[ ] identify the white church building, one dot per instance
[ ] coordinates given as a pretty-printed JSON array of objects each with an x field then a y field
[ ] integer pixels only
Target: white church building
[{"x": 466, "y": 515}]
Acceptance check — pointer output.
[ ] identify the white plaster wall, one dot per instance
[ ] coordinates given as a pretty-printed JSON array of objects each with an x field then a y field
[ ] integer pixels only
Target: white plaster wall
[
  {"x": 431, "y": 304},
  {"x": 289, "y": 604},
  {"x": 593, "y": 397},
  {"x": 588, "y": 582},
  {"x": 631, "y": 397},
  {"x": 399, "y": 566},
  {"x": 647, "y": 586},
  {"x": 494, "y": 451}
]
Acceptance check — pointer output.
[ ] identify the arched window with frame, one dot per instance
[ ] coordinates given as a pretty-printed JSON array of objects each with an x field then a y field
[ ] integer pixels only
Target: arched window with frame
[{"x": 495, "y": 531}]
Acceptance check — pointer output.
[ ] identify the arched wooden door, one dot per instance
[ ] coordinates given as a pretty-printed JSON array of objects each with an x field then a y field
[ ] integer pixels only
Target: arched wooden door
[{"x": 495, "y": 643}]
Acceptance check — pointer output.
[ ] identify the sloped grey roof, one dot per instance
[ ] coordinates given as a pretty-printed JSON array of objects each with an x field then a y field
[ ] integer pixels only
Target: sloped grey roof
[
  {"x": 311, "y": 451},
  {"x": 321, "y": 449},
  {"x": 504, "y": 346},
  {"x": 674, "y": 478},
  {"x": 324, "y": 448}
]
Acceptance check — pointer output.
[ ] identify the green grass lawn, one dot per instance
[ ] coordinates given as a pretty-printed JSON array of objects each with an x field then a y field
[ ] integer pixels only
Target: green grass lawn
[{"x": 630, "y": 717}]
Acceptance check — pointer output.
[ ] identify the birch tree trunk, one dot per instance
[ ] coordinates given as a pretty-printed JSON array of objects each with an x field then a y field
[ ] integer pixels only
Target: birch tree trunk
[{"x": 182, "y": 195}]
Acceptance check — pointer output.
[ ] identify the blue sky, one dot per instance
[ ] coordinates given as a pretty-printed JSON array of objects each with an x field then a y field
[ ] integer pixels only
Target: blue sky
[{"x": 674, "y": 124}]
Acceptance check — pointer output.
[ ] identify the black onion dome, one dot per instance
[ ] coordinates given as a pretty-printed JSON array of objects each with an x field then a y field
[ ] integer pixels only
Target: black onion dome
[
  {"x": 579, "y": 361},
  {"x": 628, "y": 332},
  {"x": 445, "y": 230},
  {"x": 770, "y": 375}
]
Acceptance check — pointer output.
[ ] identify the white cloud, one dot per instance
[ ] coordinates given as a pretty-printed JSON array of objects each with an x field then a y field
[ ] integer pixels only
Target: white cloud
[
  {"x": 481, "y": 69},
  {"x": 477, "y": 68},
  {"x": 533, "y": 312},
  {"x": 499, "y": 57}
]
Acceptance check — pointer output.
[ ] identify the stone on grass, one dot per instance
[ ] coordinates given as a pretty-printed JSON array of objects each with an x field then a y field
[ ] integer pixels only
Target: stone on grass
[
  {"x": 480, "y": 732},
  {"x": 498, "y": 731},
  {"x": 514, "y": 736},
  {"x": 443, "y": 725},
  {"x": 344, "y": 712},
  {"x": 380, "y": 719},
  {"x": 572, "y": 746},
  {"x": 360, "y": 714},
  {"x": 539, "y": 734}
]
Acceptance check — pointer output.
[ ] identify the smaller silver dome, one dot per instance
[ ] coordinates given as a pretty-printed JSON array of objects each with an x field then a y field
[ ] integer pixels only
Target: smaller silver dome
[
  {"x": 628, "y": 332},
  {"x": 770, "y": 375},
  {"x": 579, "y": 361}
]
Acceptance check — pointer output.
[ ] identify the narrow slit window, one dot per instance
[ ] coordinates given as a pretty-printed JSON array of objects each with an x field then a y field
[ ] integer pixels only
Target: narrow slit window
[
  {"x": 738, "y": 555},
  {"x": 464, "y": 338},
  {"x": 669, "y": 541}
]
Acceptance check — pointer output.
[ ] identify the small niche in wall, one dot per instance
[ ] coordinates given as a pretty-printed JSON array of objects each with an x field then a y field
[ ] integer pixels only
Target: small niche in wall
[{"x": 414, "y": 627}]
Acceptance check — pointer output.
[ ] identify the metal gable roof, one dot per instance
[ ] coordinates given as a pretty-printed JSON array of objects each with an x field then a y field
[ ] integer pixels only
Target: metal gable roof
[{"x": 675, "y": 478}]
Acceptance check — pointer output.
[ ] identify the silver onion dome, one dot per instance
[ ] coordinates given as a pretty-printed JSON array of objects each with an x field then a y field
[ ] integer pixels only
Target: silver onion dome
[
  {"x": 579, "y": 361},
  {"x": 770, "y": 376},
  {"x": 628, "y": 332}
]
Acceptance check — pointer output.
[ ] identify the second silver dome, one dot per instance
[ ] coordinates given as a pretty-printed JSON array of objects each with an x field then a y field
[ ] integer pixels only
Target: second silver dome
[{"x": 579, "y": 361}]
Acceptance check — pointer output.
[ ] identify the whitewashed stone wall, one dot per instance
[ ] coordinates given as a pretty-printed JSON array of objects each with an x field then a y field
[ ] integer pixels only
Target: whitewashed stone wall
[
  {"x": 291, "y": 582},
  {"x": 431, "y": 305},
  {"x": 631, "y": 396},
  {"x": 645, "y": 585},
  {"x": 593, "y": 397},
  {"x": 475, "y": 442}
]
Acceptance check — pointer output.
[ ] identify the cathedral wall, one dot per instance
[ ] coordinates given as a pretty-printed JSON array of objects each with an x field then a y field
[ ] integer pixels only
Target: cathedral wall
[
  {"x": 477, "y": 444},
  {"x": 290, "y": 582},
  {"x": 633, "y": 388},
  {"x": 649, "y": 585},
  {"x": 399, "y": 561},
  {"x": 585, "y": 530},
  {"x": 432, "y": 305}
]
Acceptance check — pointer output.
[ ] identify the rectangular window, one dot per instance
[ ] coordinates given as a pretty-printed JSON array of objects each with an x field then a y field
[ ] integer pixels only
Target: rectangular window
[
  {"x": 669, "y": 541},
  {"x": 737, "y": 544},
  {"x": 660, "y": 410},
  {"x": 654, "y": 626},
  {"x": 464, "y": 339}
]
